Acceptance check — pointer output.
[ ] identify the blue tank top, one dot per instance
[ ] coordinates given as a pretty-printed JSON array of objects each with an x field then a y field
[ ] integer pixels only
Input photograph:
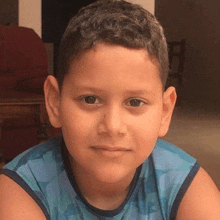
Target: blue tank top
[{"x": 157, "y": 187}]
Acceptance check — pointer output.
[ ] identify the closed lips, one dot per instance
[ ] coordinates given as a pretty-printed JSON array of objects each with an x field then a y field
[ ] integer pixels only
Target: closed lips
[{"x": 108, "y": 148}]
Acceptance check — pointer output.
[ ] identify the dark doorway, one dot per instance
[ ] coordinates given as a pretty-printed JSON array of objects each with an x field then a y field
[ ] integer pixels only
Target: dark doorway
[{"x": 55, "y": 17}]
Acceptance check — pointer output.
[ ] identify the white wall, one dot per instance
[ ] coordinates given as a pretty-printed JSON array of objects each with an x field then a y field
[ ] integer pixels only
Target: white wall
[
  {"x": 29, "y": 14},
  {"x": 147, "y": 4}
]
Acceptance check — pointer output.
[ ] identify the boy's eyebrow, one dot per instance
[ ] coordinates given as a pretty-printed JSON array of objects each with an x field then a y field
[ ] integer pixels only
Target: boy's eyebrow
[
  {"x": 88, "y": 88},
  {"x": 146, "y": 93},
  {"x": 127, "y": 92},
  {"x": 138, "y": 92}
]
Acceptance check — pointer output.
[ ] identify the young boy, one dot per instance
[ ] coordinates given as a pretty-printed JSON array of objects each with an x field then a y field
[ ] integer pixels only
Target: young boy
[{"x": 109, "y": 99}]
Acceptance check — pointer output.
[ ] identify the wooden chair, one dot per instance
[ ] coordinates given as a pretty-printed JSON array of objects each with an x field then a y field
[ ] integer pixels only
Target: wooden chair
[
  {"x": 176, "y": 51},
  {"x": 23, "y": 70}
]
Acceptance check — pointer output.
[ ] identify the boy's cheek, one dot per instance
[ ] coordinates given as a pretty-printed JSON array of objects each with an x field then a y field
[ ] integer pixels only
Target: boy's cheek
[{"x": 77, "y": 128}]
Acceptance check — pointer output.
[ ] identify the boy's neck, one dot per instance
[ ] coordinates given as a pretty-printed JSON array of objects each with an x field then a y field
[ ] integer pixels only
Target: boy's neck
[
  {"x": 105, "y": 196},
  {"x": 110, "y": 201}
]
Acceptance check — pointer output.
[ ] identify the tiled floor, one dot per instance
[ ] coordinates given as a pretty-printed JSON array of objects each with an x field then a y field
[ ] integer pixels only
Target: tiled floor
[{"x": 196, "y": 129}]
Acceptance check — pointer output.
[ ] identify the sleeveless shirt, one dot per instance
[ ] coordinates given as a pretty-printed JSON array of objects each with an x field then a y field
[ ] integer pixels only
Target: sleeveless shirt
[{"x": 157, "y": 188}]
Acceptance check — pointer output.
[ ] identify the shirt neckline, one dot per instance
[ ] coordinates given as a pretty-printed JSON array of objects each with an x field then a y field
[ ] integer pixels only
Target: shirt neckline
[{"x": 97, "y": 211}]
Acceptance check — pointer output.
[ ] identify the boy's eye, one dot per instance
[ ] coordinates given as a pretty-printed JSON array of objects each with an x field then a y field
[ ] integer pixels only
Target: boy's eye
[
  {"x": 90, "y": 99},
  {"x": 135, "y": 103}
]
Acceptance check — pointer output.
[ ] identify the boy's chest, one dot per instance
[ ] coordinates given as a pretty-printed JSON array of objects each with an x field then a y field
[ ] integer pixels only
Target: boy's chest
[{"x": 138, "y": 208}]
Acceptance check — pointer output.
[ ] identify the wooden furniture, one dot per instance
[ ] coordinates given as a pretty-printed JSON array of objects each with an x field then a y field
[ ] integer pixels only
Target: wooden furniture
[
  {"x": 22, "y": 106},
  {"x": 23, "y": 70},
  {"x": 176, "y": 51}
]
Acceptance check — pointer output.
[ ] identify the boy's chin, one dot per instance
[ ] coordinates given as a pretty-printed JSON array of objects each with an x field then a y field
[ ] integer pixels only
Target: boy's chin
[{"x": 114, "y": 175}]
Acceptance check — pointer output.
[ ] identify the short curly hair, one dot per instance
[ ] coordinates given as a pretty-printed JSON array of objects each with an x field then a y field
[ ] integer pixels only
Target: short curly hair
[{"x": 116, "y": 22}]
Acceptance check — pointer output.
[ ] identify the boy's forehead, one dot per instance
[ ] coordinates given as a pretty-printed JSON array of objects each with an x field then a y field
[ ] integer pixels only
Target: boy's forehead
[
  {"x": 110, "y": 65},
  {"x": 104, "y": 49}
]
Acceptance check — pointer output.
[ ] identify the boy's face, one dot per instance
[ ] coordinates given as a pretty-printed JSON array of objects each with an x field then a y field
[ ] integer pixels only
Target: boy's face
[{"x": 112, "y": 109}]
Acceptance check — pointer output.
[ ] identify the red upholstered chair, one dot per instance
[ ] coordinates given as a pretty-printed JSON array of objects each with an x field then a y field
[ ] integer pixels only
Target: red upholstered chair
[
  {"x": 23, "y": 70},
  {"x": 23, "y": 60}
]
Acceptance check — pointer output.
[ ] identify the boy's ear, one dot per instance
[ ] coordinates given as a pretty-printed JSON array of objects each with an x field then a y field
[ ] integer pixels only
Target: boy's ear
[
  {"x": 169, "y": 100},
  {"x": 52, "y": 100}
]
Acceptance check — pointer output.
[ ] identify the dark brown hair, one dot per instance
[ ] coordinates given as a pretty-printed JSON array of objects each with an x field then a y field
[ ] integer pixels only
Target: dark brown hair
[{"x": 115, "y": 22}]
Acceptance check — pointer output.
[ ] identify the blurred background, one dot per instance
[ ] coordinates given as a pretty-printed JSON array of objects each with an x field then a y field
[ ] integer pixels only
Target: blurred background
[{"x": 196, "y": 121}]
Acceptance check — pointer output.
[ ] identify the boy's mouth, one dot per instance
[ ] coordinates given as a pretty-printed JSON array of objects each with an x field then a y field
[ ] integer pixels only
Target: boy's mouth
[{"x": 110, "y": 151}]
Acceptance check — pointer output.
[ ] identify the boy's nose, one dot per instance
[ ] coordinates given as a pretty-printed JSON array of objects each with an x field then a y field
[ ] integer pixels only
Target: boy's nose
[{"x": 112, "y": 122}]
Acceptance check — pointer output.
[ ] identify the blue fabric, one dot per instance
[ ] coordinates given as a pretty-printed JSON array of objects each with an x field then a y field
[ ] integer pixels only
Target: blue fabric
[{"x": 158, "y": 186}]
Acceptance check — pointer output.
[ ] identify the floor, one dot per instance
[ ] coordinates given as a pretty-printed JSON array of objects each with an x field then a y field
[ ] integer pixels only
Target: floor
[{"x": 196, "y": 129}]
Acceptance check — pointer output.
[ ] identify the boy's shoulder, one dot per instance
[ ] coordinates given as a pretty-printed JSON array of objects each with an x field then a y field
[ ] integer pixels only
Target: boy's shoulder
[
  {"x": 37, "y": 170},
  {"x": 169, "y": 155},
  {"x": 169, "y": 172},
  {"x": 46, "y": 151}
]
